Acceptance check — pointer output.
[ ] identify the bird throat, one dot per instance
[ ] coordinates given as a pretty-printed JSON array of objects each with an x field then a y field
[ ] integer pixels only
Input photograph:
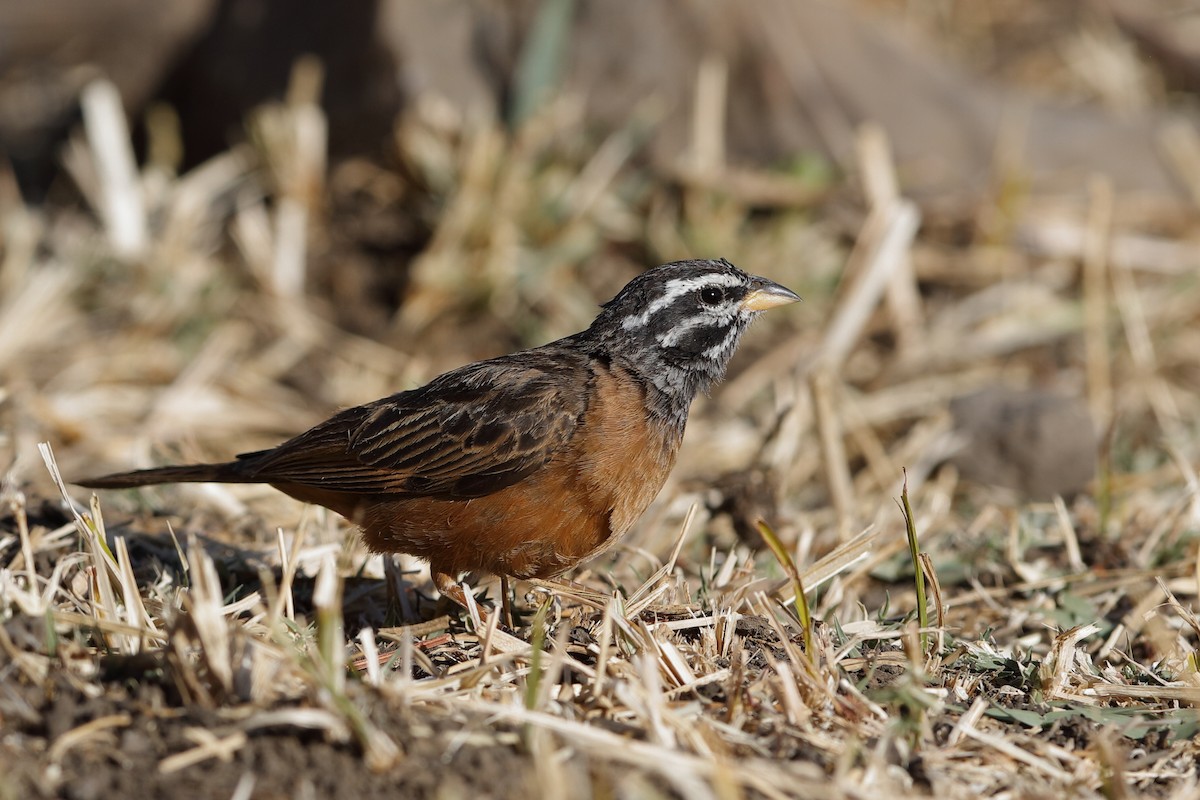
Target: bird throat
[{"x": 671, "y": 388}]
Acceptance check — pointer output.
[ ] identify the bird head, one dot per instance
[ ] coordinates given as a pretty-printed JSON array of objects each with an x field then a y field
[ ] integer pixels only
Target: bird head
[{"x": 678, "y": 325}]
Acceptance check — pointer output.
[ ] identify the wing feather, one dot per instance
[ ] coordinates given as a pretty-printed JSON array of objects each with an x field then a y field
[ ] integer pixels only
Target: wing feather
[{"x": 468, "y": 433}]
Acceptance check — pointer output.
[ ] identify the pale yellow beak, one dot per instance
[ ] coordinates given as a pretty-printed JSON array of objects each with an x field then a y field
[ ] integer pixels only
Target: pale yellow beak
[{"x": 766, "y": 294}]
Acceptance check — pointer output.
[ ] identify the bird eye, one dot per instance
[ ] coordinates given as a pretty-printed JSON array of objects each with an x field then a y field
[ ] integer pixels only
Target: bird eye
[{"x": 711, "y": 295}]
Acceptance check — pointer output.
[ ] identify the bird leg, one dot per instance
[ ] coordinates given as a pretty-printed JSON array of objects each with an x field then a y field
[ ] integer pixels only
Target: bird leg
[
  {"x": 397, "y": 597},
  {"x": 506, "y": 603},
  {"x": 453, "y": 590},
  {"x": 450, "y": 588}
]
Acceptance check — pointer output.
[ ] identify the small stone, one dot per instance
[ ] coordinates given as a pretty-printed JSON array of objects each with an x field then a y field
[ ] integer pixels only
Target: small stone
[{"x": 1036, "y": 442}]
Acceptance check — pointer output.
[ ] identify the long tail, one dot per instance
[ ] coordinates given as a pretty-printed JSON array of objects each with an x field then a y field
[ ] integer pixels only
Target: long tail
[{"x": 227, "y": 472}]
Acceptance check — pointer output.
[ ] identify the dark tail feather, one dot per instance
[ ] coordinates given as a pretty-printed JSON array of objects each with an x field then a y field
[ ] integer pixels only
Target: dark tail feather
[{"x": 227, "y": 472}]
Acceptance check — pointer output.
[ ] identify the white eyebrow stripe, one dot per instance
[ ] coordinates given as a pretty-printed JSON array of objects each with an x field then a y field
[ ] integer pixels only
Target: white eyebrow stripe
[{"x": 676, "y": 288}]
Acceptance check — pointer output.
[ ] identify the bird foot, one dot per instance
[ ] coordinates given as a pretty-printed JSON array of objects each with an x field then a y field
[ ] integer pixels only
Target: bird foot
[
  {"x": 453, "y": 590},
  {"x": 573, "y": 591}
]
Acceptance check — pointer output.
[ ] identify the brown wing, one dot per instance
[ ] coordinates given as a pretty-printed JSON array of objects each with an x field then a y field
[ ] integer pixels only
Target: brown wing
[{"x": 467, "y": 434}]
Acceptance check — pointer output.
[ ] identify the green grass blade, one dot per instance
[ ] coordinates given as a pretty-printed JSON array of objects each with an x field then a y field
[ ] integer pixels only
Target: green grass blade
[
  {"x": 914, "y": 550},
  {"x": 785, "y": 560},
  {"x": 541, "y": 65}
]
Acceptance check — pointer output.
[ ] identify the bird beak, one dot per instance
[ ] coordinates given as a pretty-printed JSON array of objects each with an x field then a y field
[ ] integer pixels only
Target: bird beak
[{"x": 766, "y": 294}]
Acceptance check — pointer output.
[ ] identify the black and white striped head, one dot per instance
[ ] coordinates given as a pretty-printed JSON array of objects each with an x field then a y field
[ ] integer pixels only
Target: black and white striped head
[{"x": 678, "y": 324}]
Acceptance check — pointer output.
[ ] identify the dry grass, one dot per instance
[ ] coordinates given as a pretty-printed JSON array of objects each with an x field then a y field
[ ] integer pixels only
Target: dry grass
[{"x": 169, "y": 321}]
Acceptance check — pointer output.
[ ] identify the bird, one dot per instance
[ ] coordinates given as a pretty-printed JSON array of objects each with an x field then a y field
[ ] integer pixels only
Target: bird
[{"x": 527, "y": 464}]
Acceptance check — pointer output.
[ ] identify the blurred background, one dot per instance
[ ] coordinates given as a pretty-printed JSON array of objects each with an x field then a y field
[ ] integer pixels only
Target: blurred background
[{"x": 223, "y": 220}]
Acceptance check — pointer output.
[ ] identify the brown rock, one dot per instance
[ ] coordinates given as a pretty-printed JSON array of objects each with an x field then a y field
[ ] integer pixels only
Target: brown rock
[{"x": 1036, "y": 442}]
